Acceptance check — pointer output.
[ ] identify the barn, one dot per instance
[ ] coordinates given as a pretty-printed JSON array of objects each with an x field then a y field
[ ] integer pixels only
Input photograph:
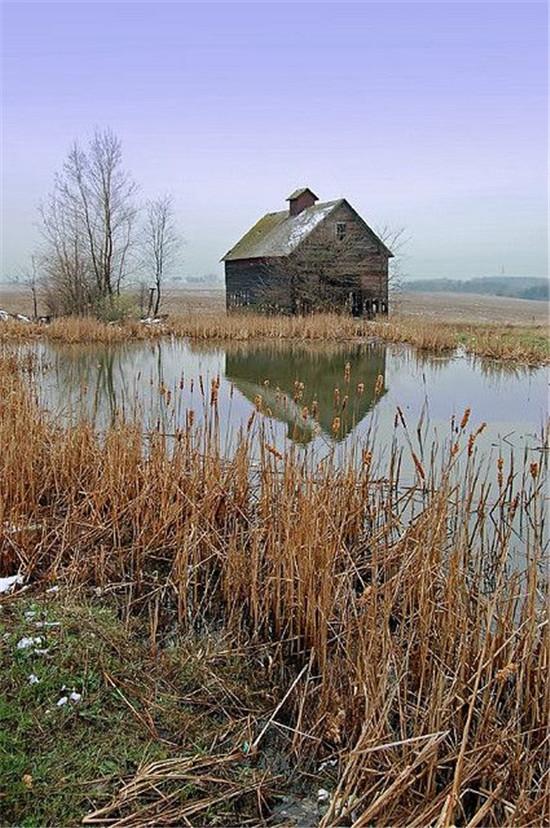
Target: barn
[{"x": 312, "y": 256}]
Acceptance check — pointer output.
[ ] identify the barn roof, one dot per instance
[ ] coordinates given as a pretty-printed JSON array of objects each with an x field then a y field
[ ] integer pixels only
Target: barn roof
[{"x": 279, "y": 234}]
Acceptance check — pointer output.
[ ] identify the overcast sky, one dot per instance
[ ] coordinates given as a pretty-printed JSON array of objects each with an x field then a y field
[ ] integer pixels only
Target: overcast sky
[{"x": 430, "y": 116}]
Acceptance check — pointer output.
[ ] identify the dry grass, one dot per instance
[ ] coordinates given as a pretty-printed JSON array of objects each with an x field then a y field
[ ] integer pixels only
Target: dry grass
[
  {"x": 401, "y": 643},
  {"x": 526, "y": 344},
  {"x": 514, "y": 343}
]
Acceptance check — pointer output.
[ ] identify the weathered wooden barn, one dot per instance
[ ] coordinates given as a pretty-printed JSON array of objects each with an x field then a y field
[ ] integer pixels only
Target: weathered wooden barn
[{"x": 313, "y": 256}]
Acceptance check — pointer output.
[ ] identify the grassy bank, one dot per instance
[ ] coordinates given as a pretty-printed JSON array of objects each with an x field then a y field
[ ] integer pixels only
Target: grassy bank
[
  {"x": 523, "y": 344},
  {"x": 105, "y": 706},
  {"x": 384, "y": 628}
]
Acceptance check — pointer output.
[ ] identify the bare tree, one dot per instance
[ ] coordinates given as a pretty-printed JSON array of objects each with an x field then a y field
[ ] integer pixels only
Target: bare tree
[
  {"x": 161, "y": 244},
  {"x": 396, "y": 239},
  {"x": 29, "y": 279},
  {"x": 88, "y": 222}
]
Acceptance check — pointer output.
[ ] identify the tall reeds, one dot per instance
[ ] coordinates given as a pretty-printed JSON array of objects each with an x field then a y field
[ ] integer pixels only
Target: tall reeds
[
  {"x": 528, "y": 345},
  {"x": 411, "y": 651}
]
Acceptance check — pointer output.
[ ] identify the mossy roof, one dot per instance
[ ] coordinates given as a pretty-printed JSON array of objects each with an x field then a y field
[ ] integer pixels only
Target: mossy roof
[{"x": 279, "y": 234}]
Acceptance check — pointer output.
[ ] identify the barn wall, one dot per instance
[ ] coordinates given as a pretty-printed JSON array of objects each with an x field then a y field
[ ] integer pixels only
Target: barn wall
[
  {"x": 254, "y": 282},
  {"x": 357, "y": 255}
]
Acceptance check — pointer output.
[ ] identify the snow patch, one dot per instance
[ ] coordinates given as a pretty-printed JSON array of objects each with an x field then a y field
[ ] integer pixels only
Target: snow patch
[
  {"x": 29, "y": 641},
  {"x": 9, "y": 583}
]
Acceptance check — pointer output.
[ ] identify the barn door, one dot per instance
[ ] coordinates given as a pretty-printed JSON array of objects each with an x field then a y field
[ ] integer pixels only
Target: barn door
[{"x": 357, "y": 303}]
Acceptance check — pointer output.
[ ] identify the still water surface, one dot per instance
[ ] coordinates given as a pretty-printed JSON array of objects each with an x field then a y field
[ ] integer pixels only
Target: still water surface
[{"x": 132, "y": 379}]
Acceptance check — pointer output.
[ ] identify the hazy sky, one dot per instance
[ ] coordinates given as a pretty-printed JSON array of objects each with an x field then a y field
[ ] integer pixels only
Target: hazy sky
[{"x": 430, "y": 116}]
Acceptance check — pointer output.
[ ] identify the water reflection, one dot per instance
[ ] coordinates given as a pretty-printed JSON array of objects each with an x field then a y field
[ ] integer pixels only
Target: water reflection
[
  {"x": 129, "y": 379},
  {"x": 307, "y": 387}
]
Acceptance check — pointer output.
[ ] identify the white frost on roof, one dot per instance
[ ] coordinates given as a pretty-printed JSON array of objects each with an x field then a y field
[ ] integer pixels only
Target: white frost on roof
[
  {"x": 281, "y": 234},
  {"x": 306, "y": 221}
]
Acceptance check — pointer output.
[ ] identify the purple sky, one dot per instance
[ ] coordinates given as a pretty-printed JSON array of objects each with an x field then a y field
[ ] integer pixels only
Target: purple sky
[{"x": 430, "y": 116}]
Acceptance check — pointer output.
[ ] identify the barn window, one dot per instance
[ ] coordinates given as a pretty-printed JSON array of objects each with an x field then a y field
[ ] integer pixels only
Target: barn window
[{"x": 341, "y": 230}]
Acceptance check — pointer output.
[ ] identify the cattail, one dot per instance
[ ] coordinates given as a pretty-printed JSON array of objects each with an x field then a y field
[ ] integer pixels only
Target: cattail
[
  {"x": 480, "y": 429},
  {"x": 314, "y": 408},
  {"x": 419, "y": 466},
  {"x": 465, "y": 418},
  {"x": 272, "y": 450},
  {"x": 379, "y": 386},
  {"x": 471, "y": 441},
  {"x": 213, "y": 393},
  {"x": 507, "y": 672},
  {"x": 455, "y": 449},
  {"x": 336, "y": 425},
  {"x": 336, "y": 397},
  {"x": 181, "y": 383},
  {"x": 258, "y": 402},
  {"x": 500, "y": 476},
  {"x": 534, "y": 470},
  {"x": 305, "y": 412},
  {"x": 347, "y": 371},
  {"x": 360, "y": 387},
  {"x": 367, "y": 458},
  {"x": 168, "y": 397},
  {"x": 344, "y": 402}
]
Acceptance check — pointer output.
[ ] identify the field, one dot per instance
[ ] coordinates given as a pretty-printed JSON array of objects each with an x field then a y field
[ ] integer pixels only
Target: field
[{"x": 254, "y": 639}]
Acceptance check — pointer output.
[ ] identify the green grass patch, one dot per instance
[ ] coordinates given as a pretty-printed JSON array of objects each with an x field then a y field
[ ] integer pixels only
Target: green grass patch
[{"x": 61, "y": 761}]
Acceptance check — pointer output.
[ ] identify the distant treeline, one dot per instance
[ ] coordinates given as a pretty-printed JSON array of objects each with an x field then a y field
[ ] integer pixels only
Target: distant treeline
[{"x": 517, "y": 287}]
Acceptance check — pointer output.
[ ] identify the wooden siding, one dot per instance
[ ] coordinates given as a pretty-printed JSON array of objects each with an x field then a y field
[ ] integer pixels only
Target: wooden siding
[{"x": 351, "y": 272}]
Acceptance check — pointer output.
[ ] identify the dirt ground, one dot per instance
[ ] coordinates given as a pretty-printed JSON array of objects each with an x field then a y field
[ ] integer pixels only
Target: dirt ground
[{"x": 453, "y": 307}]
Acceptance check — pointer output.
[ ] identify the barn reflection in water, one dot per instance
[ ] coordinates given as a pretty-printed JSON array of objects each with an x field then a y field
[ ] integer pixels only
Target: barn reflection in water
[{"x": 314, "y": 389}]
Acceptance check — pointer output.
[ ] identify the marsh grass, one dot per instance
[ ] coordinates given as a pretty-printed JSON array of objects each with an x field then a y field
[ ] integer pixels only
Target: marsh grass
[
  {"x": 400, "y": 641},
  {"x": 523, "y": 344}
]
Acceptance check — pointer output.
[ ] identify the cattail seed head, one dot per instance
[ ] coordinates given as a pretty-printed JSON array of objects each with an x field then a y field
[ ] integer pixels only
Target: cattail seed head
[{"x": 465, "y": 418}]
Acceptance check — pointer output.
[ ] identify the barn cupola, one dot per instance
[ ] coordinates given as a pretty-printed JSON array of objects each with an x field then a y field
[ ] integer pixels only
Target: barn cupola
[{"x": 300, "y": 200}]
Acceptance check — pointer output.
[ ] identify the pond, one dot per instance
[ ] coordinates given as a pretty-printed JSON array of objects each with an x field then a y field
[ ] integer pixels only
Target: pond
[{"x": 320, "y": 398}]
